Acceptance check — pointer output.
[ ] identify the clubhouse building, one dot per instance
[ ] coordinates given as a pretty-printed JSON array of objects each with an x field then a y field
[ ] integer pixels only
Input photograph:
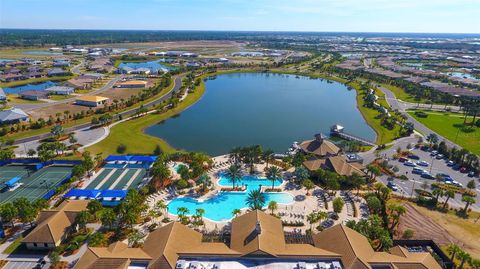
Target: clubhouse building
[
  {"x": 326, "y": 155},
  {"x": 54, "y": 225},
  {"x": 256, "y": 240}
]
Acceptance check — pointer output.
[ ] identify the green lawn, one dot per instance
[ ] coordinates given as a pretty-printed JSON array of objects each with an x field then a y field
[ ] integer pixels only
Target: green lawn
[
  {"x": 384, "y": 135},
  {"x": 449, "y": 125},
  {"x": 60, "y": 97},
  {"x": 13, "y": 246},
  {"x": 131, "y": 132}
]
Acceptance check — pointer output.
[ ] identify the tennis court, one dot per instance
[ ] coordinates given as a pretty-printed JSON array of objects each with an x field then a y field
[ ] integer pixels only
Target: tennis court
[
  {"x": 33, "y": 184},
  {"x": 117, "y": 179}
]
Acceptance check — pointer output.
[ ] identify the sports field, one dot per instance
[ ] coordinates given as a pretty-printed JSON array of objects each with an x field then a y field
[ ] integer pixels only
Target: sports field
[
  {"x": 33, "y": 184},
  {"x": 117, "y": 179}
]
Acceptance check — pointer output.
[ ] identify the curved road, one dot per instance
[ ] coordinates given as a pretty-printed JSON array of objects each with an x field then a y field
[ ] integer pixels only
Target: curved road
[
  {"x": 127, "y": 113},
  {"x": 394, "y": 104}
]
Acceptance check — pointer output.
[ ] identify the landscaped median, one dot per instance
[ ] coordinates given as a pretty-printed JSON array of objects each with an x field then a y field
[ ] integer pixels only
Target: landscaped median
[
  {"x": 131, "y": 132},
  {"x": 451, "y": 126}
]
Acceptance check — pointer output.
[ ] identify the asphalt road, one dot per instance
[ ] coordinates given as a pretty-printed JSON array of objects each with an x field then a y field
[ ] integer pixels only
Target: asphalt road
[
  {"x": 395, "y": 104},
  {"x": 435, "y": 166},
  {"x": 124, "y": 114}
]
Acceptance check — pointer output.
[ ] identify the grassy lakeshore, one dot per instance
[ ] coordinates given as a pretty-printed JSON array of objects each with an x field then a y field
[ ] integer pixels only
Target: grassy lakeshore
[
  {"x": 449, "y": 125},
  {"x": 131, "y": 132}
]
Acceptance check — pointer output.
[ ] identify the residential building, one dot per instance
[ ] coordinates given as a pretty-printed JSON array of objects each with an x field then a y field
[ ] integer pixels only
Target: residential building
[
  {"x": 256, "y": 240},
  {"x": 8, "y": 77},
  {"x": 81, "y": 83},
  {"x": 33, "y": 95},
  {"x": 91, "y": 101},
  {"x": 13, "y": 115},
  {"x": 57, "y": 72},
  {"x": 54, "y": 225},
  {"x": 60, "y": 90}
]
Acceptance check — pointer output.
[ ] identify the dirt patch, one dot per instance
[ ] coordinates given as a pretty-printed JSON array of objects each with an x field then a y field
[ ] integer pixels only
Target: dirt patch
[
  {"x": 424, "y": 227},
  {"x": 441, "y": 228}
]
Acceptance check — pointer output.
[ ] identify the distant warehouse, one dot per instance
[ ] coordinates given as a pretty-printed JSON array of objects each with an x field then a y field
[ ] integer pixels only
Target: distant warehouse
[
  {"x": 60, "y": 90},
  {"x": 91, "y": 101},
  {"x": 132, "y": 84}
]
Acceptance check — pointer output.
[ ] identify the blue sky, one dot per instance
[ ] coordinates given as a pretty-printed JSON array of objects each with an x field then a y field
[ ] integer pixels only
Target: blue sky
[{"x": 446, "y": 16}]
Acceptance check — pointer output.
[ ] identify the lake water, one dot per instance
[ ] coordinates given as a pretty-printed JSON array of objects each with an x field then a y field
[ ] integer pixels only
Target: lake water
[
  {"x": 154, "y": 66},
  {"x": 272, "y": 110},
  {"x": 29, "y": 87}
]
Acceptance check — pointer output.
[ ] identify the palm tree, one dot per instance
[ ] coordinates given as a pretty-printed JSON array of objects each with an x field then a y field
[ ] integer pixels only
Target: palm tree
[
  {"x": 453, "y": 249},
  {"x": 255, "y": 199},
  {"x": 161, "y": 205},
  {"x": 273, "y": 174},
  {"x": 449, "y": 194},
  {"x": 267, "y": 156},
  {"x": 312, "y": 218},
  {"x": 236, "y": 212},
  {"x": 272, "y": 206},
  {"x": 199, "y": 212},
  {"x": 438, "y": 193},
  {"x": 432, "y": 139},
  {"x": 182, "y": 211},
  {"x": 468, "y": 201},
  {"x": 205, "y": 180},
  {"x": 463, "y": 256},
  {"x": 234, "y": 173}
]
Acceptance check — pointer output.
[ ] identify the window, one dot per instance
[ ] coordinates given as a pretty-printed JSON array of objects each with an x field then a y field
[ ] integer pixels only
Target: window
[{"x": 35, "y": 244}]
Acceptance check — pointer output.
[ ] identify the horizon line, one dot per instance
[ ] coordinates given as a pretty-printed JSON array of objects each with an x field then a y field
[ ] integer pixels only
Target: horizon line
[{"x": 257, "y": 31}]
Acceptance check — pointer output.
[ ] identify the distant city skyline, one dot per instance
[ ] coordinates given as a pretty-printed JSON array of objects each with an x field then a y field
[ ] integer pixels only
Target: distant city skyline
[{"x": 412, "y": 16}]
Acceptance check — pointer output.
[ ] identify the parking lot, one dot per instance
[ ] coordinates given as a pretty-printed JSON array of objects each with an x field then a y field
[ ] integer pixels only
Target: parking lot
[
  {"x": 435, "y": 166},
  {"x": 24, "y": 265}
]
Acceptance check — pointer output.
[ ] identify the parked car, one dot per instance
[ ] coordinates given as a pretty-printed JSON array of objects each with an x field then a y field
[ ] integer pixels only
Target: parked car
[
  {"x": 463, "y": 170},
  {"x": 402, "y": 159},
  {"x": 433, "y": 153},
  {"x": 418, "y": 171},
  {"x": 471, "y": 174},
  {"x": 439, "y": 156},
  {"x": 409, "y": 163},
  {"x": 392, "y": 186},
  {"x": 413, "y": 157},
  {"x": 422, "y": 163},
  {"x": 457, "y": 184},
  {"x": 427, "y": 175},
  {"x": 450, "y": 163},
  {"x": 456, "y": 167}
]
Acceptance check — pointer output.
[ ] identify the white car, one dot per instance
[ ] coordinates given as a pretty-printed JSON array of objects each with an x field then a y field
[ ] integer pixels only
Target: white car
[{"x": 423, "y": 163}]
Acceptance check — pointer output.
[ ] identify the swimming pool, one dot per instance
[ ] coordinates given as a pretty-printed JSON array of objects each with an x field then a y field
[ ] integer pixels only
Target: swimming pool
[{"x": 219, "y": 207}]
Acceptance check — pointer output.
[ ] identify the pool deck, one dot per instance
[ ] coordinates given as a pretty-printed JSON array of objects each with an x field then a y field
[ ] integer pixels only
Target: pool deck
[{"x": 297, "y": 211}]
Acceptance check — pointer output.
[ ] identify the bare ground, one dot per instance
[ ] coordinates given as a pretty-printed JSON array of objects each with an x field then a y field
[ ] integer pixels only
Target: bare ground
[{"x": 442, "y": 228}]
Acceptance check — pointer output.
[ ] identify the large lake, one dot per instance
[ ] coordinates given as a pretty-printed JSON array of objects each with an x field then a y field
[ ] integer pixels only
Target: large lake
[{"x": 272, "y": 110}]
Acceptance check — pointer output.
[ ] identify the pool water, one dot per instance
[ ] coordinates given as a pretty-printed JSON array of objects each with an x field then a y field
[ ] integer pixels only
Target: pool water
[
  {"x": 220, "y": 207},
  {"x": 252, "y": 182}
]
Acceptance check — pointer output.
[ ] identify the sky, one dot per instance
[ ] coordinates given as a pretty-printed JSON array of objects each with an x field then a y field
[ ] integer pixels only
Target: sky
[{"x": 424, "y": 16}]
